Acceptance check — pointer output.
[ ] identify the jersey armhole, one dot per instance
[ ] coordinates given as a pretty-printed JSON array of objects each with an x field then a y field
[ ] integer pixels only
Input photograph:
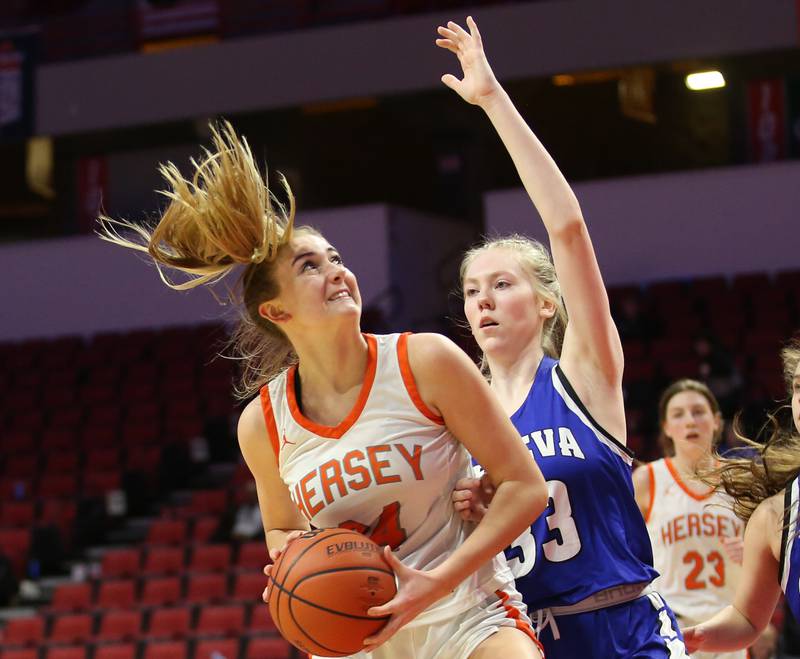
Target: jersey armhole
[
  {"x": 787, "y": 515},
  {"x": 410, "y": 383},
  {"x": 610, "y": 439},
  {"x": 651, "y": 476},
  {"x": 269, "y": 419}
]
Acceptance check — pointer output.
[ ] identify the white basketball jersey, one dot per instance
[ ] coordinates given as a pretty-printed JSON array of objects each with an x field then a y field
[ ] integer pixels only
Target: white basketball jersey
[
  {"x": 387, "y": 470},
  {"x": 697, "y": 578}
]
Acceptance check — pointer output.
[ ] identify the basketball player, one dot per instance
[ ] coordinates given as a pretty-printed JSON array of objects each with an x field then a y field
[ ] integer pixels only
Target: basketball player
[
  {"x": 766, "y": 495},
  {"x": 585, "y": 566},
  {"x": 696, "y": 537},
  {"x": 368, "y": 432}
]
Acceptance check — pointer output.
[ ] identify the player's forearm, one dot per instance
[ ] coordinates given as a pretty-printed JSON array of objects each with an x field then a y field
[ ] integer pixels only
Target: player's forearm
[
  {"x": 516, "y": 504},
  {"x": 728, "y": 630},
  {"x": 544, "y": 182}
]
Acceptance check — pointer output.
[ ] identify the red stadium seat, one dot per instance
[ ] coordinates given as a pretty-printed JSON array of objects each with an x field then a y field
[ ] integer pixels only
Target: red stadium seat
[
  {"x": 249, "y": 587},
  {"x": 260, "y": 620},
  {"x": 98, "y": 437},
  {"x": 54, "y": 486},
  {"x": 214, "y": 648},
  {"x": 227, "y": 620},
  {"x": 209, "y": 502},
  {"x": 167, "y": 532},
  {"x": 169, "y": 623},
  {"x": 116, "y": 594},
  {"x": 18, "y": 441},
  {"x": 72, "y": 652},
  {"x": 206, "y": 588},
  {"x": 143, "y": 458},
  {"x": 161, "y": 591},
  {"x": 120, "y": 626},
  {"x": 61, "y": 461},
  {"x": 252, "y": 556},
  {"x": 97, "y": 483},
  {"x": 211, "y": 558},
  {"x": 71, "y": 628},
  {"x": 166, "y": 650},
  {"x": 22, "y": 466},
  {"x": 17, "y": 513},
  {"x": 268, "y": 648},
  {"x": 115, "y": 651},
  {"x": 102, "y": 458},
  {"x": 72, "y": 597},
  {"x": 24, "y": 631},
  {"x": 20, "y": 654},
  {"x": 163, "y": 560},
  {"x": 204, "y": 528},
  {"x": 121, "y": 563},
  {"x": 15, "y": 544},
  {"x": 59, "y": 438}
]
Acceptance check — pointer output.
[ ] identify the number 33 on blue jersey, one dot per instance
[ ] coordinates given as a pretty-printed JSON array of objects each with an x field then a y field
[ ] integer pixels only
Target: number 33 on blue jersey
[{"x": 564, "y": 543}]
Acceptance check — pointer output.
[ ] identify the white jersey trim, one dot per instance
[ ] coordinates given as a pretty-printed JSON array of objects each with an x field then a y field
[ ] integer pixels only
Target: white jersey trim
[
  {"x": 580, "y": 411},
  {"x": 791, "y": 533}
]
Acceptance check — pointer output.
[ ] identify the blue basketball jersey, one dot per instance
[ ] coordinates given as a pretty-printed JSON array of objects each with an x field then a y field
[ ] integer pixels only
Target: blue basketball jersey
[
  {"x": 592, "y": 535},
  {"x": 789, "y": 568}
]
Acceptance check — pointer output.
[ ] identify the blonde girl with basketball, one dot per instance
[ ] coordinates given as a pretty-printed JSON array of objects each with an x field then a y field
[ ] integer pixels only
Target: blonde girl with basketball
[
  {"x": 348, "y": 428},
  {"x": 766, "y": 495},
  {"x": 696, "y": 538},
  {"x": 584, "y": 567}
]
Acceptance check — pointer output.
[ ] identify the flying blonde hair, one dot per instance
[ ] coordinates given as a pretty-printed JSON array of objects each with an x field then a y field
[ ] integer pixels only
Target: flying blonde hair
[
  {"x": 751, "y": 479},
  {"x": 224, "y": 218}
]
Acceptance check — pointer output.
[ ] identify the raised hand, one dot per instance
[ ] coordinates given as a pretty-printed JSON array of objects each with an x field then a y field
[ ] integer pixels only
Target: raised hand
[
  {"x": 416, "y": 592},
  {"x": 478, "y": 84}
]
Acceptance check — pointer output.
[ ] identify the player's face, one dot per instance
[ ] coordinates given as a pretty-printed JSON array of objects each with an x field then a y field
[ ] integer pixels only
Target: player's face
[
  {"x": 315, "y": 286},
  {"x": 690, "y": 420},
  {"x": 796, "y": 397},
  {"x": 501, "y": 305}
]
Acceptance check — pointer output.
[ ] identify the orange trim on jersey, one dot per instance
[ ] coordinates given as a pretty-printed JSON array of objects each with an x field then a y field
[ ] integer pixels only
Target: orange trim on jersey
[
  {"x": 269, "y": 418},
  {"x": 514, "y": 614},
  {"x": 408, "y": 380},
  {"x": 652, "y": 478},
  {"x": 335, "y": 432},
  {"x": 683, "y": 485}
]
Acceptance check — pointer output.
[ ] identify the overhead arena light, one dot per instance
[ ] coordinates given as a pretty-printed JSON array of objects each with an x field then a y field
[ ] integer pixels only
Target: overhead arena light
[{"x": 705, "y": 80}]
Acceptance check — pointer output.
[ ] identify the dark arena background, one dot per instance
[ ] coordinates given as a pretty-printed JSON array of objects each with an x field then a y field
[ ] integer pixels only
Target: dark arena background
[{"x": 128, "y": 522}]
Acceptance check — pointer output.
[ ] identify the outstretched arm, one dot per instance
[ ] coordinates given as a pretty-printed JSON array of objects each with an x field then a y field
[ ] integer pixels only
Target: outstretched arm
[
  {"x": 592, "y": 351},
  {"x": 739, "y": 625}
]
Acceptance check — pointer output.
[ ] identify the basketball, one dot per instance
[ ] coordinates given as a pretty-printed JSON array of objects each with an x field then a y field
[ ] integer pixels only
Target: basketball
[{"x": 322, "y": 587}]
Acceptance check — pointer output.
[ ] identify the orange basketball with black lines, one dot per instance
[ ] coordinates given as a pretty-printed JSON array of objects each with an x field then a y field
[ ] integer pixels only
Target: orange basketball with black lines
[{"x": 322, "y": 587}]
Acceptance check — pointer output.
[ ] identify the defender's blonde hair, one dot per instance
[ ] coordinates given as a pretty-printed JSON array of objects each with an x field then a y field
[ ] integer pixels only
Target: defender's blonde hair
[
  {"x": 534, "y": 258},
  {"x": 224, "y": 218},
  {"x": 751, "y": 479}
]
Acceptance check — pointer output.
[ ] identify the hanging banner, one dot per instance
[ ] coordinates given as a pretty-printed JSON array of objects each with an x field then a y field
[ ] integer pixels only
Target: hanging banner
[
  {"x": 766, "y": 113},
  {"x": 92, "y": 191},
  {"x": 17, "y": 68}
]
